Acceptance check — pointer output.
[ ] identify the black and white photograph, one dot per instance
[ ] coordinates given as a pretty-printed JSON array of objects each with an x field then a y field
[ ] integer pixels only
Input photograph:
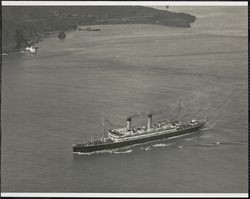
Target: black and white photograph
[{"x": 124, "y": 98}]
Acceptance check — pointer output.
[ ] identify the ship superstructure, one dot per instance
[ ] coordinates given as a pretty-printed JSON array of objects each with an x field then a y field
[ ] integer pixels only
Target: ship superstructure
[{"x": 129, "y": 133}]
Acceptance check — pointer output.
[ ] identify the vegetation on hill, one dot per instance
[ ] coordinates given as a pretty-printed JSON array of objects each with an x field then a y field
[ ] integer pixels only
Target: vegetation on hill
[{"x": 24, "y": 25}]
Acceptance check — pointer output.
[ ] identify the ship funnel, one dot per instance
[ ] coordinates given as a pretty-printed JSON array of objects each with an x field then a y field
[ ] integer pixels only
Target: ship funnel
[
  {"x": 128, "y": 123},
  {"x": 149, "y": 121}
]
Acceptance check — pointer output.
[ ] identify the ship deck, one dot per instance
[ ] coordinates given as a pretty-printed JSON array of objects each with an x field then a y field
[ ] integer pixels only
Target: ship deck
[{"x": 108, "y": 141}]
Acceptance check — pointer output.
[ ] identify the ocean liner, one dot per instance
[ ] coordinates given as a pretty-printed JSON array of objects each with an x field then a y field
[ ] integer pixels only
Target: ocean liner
[{"x": 123, "y": 137}]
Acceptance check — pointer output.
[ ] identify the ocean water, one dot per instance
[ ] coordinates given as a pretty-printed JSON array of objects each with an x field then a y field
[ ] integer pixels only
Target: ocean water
[{"x": 56, "y": 98}]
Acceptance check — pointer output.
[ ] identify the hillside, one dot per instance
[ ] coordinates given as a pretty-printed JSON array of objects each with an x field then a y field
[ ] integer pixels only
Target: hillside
[{"x": 23, "y": 24}]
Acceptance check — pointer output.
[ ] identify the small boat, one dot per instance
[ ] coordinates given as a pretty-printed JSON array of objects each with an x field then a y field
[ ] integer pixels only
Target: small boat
[
  {"x": 89, "y": 29},
  {"x": 31, "y": 49}
]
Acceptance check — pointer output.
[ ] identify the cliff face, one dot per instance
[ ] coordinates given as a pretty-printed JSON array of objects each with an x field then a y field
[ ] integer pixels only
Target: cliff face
[{"x": 24, "y": 25}]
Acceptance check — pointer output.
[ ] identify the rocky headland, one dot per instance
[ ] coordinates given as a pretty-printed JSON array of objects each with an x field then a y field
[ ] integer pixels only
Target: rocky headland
[{"x": 24, "y": 26}]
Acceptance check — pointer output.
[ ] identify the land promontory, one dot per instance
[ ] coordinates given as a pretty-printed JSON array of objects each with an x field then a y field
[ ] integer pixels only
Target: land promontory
[{"x": 26, "y": 25}]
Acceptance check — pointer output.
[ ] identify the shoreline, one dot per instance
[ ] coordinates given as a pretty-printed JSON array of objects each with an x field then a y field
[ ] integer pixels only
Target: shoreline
[
  {"x": 28, "y": 26},
  {"x": 53, "y": 33}
]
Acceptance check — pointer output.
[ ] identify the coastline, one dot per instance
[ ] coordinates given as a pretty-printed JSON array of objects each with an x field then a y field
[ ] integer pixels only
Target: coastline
[{"x": 34, "y": 27}]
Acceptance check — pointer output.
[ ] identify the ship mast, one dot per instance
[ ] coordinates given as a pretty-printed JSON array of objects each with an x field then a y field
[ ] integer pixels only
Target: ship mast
[
  {"x": 102, "y": 127},
  {"x": 179, "y": 114}
]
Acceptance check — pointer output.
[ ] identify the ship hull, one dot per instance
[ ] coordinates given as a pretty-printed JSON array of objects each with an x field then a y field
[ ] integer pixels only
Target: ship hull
[{"x": 116, "y": 145}]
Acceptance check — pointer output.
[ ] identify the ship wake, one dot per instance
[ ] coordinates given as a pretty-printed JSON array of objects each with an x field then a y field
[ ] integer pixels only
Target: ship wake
[
  {"x": 112, "y": 151},
  {"x": 214, "y": 144},
  {"x": 128, "y": 151}
]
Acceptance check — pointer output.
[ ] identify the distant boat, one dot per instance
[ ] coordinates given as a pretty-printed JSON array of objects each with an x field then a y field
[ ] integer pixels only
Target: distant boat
[
  {"x": 90, "y": 29},
  {"x": 61, "y": 35},
  {"x": 31, "y": 49}
]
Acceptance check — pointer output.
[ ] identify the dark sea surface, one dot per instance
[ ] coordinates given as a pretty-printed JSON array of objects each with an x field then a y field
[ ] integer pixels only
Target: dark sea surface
[{"x": 56, "y": 98}]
